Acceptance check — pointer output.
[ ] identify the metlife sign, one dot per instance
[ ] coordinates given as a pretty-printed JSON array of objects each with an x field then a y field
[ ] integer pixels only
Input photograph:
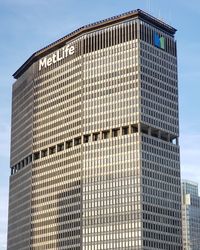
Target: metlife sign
[{"x": 56, "y": 56}]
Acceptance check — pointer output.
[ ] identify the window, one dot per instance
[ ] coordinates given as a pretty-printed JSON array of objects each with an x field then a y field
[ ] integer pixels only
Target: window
[
  {"x": 96, "y": 136},
  {"x": 22, "y": 163},
  {"x": 52, "y": 150},
  {"x": 144, "y": 129},
  {"x": 106, "y": 134},
  {"x": 69, "y": 144},
  {"x": 115, "y": 132},
  {"x": 36, "y": 155},
  {"x": 60, "y": 147},
  {"x": 44, "y": 153},
  {"x": 86, "y": 138},
  {"x": 26, "y": 161},
  {"x": 134, "y": 128},
  {"x": 30, "y": 158},
  {"x": 77, "y": 141},
  {"x": 125, "y": 131}
]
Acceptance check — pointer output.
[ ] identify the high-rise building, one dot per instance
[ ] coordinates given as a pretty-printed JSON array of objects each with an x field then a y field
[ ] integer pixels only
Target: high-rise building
[
  {"x": 94, "y": 145},
  {"x": 190, "y": 215}
]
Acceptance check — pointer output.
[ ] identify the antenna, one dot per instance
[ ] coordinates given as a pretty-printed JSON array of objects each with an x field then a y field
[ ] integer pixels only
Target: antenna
[
  {"x": 159, "y": 16},
  {"x": 170, "y": 17},
  {"x": 149, "y": 6}
]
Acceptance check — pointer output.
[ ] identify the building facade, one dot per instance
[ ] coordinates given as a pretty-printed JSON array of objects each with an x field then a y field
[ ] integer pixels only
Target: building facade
[
  {"x": 190, "y": 215},
  {"x": 94, "y": 146}
]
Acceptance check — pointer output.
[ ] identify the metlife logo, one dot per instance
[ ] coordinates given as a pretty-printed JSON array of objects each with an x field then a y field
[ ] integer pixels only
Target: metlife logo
[
  {"x": 56, "y": 57},
  {"x": 159, "y": 41}
]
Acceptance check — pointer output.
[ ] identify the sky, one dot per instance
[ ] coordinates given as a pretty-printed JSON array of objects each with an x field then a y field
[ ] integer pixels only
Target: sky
[{"x": 28, "y": 25}]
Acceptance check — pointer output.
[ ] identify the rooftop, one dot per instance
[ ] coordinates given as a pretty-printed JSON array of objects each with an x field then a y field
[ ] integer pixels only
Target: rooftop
[
  {"x": 109, "y": 21},
  {"x": 193, "y": 183}
]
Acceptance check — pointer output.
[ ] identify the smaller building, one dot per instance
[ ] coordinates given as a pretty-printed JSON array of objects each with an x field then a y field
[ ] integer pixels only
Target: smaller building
[{"x": 190, "y": 215}]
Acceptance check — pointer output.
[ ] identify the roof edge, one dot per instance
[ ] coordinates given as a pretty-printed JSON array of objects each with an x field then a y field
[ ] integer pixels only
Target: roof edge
[{"x": 60, "y": 42}]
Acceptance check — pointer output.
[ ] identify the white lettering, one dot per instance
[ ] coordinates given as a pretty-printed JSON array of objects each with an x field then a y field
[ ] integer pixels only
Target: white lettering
[
  {"x": 42, "y": 63},
  {"x": 66, "y": 51},
  {"x": 71, "y": 50},
  {"x": 49, "y": 61},
  {"x": 56, "y": 57}
]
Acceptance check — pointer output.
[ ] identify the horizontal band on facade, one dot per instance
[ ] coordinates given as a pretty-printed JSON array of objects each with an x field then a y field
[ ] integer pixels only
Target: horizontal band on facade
[{"x": 93, "y": 137}]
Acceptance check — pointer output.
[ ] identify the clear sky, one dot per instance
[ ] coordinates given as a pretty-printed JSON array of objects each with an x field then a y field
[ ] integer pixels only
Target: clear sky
[{"x": 29, "y": 25}]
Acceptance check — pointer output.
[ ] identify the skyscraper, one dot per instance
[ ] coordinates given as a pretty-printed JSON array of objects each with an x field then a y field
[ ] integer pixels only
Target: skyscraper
[
  {"x": 94, "y": 145},
  {"x": 190, "y": 215}
]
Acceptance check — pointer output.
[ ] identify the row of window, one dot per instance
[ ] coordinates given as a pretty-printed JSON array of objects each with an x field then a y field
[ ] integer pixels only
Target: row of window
[
  {"x": 159, "y": 75},
  {"x": 65, "y": 201},
  {"x": 156, "y": 67},
  {"x": 150, "y": 244},
  {"x": 67, "y": 226},
  {"x": 74, "y": 190},
  {"x": 169, "y": 85},
  {"x": 48, "y": 243},
  {"x": 168, "y": 108},
  {"x": 39, "y": 82},
  {"x": 172, "y": 179},
  {"x": 59, "y": 211},
  {"x": 62, "y": 95},
  {"x": 85, "y": 139},
  {"x": 57, "y": 219},
  {"x": 159, "y": 201},
  {"x": 162, "y": 211},
  {"x": 161, "y": 124},
  {"x": 158, "y": 56},
  {"x": 164, "y": 220},
  {"x": 49, "y": 186},
  {"x": 74, "y": 142}
]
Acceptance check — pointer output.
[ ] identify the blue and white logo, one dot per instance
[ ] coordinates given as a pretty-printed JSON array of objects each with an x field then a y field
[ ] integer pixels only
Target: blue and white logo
[{"x": 159, "y": 41}]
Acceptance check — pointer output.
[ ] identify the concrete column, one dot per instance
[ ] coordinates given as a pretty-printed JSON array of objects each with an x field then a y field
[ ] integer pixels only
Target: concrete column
[
  {"x": 120, "y": 131},
  {"x": 139, "y": 127},
  {"x": 110, "y": 133},
  {"x": 101, "y": 135},
  {"x": 129, "y": 129}
]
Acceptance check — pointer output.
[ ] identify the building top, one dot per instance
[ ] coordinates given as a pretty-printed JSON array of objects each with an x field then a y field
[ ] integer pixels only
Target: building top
[
  {"x": 190, "y": 187},
  {"x": 189, "y": 182},
  {"x": 90, "y": 27}
]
